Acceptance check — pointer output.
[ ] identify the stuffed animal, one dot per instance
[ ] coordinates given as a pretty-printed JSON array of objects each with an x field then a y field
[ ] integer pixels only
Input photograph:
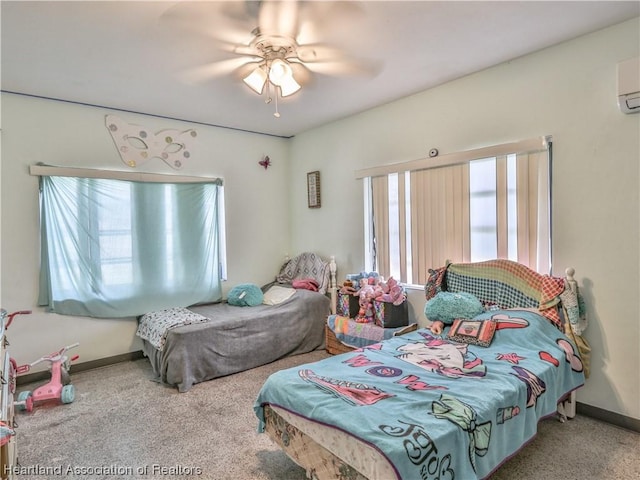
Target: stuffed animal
[
  {"x": 366, "y": 294},
  {"x": 370, "y": 286},
  {"x": 348, "y": 288},
  {"x": 371, "y": 278},
  {"x": 397, "y": 294},
  {"x": 391, "y": 291}
]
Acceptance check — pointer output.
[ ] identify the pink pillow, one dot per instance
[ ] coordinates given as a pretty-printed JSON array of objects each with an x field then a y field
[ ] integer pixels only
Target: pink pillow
[{"x": 306, "y": 284}]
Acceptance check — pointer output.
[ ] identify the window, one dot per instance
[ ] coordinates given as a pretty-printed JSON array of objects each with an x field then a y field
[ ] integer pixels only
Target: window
[
  {"x": 116, "y": 248},
  {"x": 473, "y": 206}
]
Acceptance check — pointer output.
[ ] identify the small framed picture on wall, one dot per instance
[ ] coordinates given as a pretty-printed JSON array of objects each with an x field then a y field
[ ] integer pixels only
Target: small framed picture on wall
[{"x": 313, "y": 189}]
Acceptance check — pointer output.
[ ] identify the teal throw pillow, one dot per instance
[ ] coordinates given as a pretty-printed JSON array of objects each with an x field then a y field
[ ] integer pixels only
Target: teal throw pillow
[
  {"x": 447, "y": 306},
  {"x": 245, "y": 295}
]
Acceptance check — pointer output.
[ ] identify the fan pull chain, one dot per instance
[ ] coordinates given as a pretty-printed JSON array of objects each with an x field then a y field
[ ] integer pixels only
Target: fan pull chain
[
  {"x": 268, "y": 98},
  {"x": 268, "y": 93}
]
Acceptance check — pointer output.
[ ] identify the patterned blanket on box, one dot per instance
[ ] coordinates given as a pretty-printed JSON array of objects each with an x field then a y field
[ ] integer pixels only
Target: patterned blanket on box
[{"x": 360, "y": 335}]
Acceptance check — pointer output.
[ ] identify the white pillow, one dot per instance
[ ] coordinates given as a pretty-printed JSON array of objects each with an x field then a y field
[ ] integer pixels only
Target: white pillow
[{"x": 277, "y": 294}]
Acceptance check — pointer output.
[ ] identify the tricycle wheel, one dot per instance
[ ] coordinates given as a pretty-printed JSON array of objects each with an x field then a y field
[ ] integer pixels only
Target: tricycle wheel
[
  {"x": 68, "y": 394},
  {"x": 25, "y": 401}
]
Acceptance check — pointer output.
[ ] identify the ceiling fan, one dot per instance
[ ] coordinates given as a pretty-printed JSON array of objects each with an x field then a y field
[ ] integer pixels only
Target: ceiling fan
[{"x": 272, "y": 43}]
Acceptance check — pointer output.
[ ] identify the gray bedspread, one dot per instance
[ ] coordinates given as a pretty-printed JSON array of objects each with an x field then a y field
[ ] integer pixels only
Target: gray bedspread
[{"x": 239, "y": 338}]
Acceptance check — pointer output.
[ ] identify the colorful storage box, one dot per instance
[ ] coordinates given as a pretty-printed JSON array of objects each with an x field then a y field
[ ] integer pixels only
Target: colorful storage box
[
  {"x": 388, "y": 315},
  {"x": 348, "y": 305}
]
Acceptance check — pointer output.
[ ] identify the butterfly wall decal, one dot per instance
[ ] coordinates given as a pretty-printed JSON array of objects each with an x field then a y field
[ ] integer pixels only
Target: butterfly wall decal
[
  {"x": 136, "y": 144},
  {"x": 265, "y": 162}
]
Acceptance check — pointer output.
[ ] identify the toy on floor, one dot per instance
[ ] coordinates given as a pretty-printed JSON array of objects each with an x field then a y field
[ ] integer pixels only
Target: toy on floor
[
  {"x": 6, "y": 319},
  {"x": 11, "y": 315},
  {"x": 58, "y": 388}
]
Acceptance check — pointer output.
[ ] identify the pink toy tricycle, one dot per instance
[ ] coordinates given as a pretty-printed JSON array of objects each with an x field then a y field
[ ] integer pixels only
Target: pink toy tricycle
[{"x": 58, "y": 388}]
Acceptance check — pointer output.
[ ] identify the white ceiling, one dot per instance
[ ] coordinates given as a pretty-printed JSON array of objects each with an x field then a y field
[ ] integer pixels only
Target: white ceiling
[{"x": 133, "y": 55}]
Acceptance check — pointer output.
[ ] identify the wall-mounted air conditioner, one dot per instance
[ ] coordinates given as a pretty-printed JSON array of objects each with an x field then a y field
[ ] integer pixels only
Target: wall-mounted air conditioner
[{"x": 629, "y": 85}]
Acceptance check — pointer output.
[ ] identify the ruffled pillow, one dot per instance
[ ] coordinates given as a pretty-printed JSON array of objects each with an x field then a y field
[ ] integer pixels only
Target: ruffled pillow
[
  {"x": 277, "y": 294},
  {"x": 245, "y": 295},
  {"x": 447, "y": 306}
]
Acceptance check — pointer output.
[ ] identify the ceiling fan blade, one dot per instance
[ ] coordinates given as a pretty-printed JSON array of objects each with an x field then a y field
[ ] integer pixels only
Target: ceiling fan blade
[
  {"x": 278, "y": 17},
  {"x": 318, "y": 53},
  {"x": 301, "y": 73},
  {"x": 289, "y": 18},
  {"x": 322, "y": 20},
  {"x": 242, "y": 10},
  {"x": 212, "y": 70},
  {"x": 344, "y": 67},
  {"x": 348, "y": 11},
  {"x": 247, "y": 50},
  {"x": 332, "y": 61},
  {"x": 214, "y": 19}
]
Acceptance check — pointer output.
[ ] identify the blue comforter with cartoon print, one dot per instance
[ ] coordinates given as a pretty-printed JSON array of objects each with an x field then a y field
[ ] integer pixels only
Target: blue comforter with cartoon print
[{"x": 433, "y": 407}]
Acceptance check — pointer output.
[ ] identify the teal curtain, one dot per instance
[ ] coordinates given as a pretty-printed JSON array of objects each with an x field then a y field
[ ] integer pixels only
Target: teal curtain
[{"x": 117, "y": 248}]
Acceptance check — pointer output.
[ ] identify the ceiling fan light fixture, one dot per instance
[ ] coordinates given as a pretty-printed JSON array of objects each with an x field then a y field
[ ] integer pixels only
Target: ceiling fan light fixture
[
  {"x": 281, "y": 75},
  {"x": 274, "y": 71},
  {"x": 256, "y": 80},
  {"x": 279, "y": 71},
  {"x": 289, "y": 86}
]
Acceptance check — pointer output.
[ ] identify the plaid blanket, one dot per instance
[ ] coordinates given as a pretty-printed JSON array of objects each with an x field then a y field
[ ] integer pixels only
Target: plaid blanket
[{"x": 501, "y": 284}]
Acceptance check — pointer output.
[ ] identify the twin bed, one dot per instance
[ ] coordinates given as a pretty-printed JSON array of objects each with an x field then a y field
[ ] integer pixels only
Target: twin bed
[
  {"x": 187, "y": 346},
  {"x": 422, "y": 406}
]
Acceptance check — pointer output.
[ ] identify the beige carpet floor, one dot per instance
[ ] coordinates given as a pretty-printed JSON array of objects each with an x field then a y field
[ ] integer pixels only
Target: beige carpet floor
[{"x": 123, "y": 425}]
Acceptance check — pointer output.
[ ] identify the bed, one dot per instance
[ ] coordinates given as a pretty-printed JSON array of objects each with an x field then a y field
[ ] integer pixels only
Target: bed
[
  {"x": 425, "y": 406},
  {"x": 187, "y": 346}
]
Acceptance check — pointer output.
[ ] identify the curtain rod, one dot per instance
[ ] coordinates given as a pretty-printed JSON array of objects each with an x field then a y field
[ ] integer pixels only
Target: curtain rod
[
  {"x": 41, "y": 169},
  {"x": 530, "y": 145}
]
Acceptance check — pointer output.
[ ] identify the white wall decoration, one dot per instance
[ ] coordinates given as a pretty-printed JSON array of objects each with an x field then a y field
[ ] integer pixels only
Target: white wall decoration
[{"x": 136, "y": 144}]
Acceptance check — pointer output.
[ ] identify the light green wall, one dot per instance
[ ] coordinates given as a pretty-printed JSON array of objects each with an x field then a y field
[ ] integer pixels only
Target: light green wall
[
  {"x": 567, "y": 91},
  {"x": 57, "y": 133}
]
